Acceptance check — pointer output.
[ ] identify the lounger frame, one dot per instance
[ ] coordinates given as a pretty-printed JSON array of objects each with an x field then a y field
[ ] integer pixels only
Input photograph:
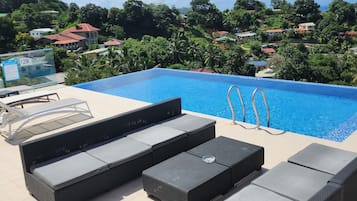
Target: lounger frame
[{"x": 64, "y": 106}]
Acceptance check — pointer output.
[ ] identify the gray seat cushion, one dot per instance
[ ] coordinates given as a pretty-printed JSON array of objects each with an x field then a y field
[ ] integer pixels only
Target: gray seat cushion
[
  {"x": 70, "y": 170},
  {"x": 293, "y": 181},
  {"x": 255, "y": 193},
  {"x": 188, "y": 123},
  {"x": 119, "y": 151},
  {"x": 323, "y": 158},
  {"x": 156, "y": 135}
]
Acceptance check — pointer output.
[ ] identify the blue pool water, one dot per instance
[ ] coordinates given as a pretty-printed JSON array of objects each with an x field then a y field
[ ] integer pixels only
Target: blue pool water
[{"x": 323, "y": 111}]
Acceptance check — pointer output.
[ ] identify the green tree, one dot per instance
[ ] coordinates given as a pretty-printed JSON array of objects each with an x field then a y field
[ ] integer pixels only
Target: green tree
[
  {"x": 328, "y": 29},
  {"x": 324, "y": 68},
  {"x": 213, "y": 57},
  {"x": 294, "y": 65},
  {"x": 344, "y": 12},
  {"x": 117, "y": 31},
  {"x": 60, "y": 58},
  {"x": 205, "y": 14},
  {"x": 95, "y": 15},
  {"x": 241, "y": 19},
  {"x": 139, "y": 20},
  {"x": 349, "y": 70},
  {"x": 177, "y": 47},
  {"x": 307, "y": 11},
  {"x": 7, "y": 34},
  {"x": 234, "y": 60},
  {"x": 248, "y": 5},
  {"x": 165, "y": 19},
  {"x": 24, "y": 41},
  {"x": 158, "y": 51},
  {"x": 116, "y": 16},
  {"x": 8, "y": 6},
  {"x": 73, "y": 12},
  {"x": 256, "y": 49},
  {"x": 86, "y": 69}
]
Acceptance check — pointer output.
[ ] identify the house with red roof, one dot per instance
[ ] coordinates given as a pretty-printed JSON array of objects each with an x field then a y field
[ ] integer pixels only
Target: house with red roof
[
  {"x": 85, "y": 30},
  {"x": 268, "y": 50},
  {"x": 274, "y": 31},
  {"x": 79, "y": 36},
  {"x": 113, "y": 42},
  {"x": 348, "y": 34},
  {"x": 351, "y": 34},
  {"x": 218, "y": 34}
]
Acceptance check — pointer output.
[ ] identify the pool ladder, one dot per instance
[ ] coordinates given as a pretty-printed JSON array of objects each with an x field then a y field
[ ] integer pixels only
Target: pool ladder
[{"x": 256, "y": 90}]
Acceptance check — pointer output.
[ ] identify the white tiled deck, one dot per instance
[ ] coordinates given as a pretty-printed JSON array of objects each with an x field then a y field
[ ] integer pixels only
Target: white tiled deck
[{"x": 277, "y": 147}]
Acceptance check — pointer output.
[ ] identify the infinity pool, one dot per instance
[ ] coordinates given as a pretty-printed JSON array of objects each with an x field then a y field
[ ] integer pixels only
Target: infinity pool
[{"x": 323, "y": 111}]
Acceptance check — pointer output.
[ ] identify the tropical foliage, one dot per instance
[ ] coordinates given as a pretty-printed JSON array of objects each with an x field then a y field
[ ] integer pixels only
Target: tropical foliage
[{"x": 157, "y": 35}]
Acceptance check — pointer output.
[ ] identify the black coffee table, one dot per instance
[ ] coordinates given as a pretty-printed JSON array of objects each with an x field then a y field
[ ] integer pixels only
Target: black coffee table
[
  {"x": 242, "y": 158},
  {"x": 203, "y": 172}
]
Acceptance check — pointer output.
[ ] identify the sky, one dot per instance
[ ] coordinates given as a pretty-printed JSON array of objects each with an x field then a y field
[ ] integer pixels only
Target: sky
[{"x": 221, "y": 4}]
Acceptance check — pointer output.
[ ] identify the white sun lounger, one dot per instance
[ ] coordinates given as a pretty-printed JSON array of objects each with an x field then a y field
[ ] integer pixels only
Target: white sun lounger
[
  {"x": 15, "y": 90},
  {"x": 33, "y": 97},
  {"x": 25, "y": 115}
]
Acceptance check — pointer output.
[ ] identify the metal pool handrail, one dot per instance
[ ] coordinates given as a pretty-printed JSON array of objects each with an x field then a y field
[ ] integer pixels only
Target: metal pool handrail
[
  {"x": 231, "y": 105},
  {"x": 255, "y": 107}
]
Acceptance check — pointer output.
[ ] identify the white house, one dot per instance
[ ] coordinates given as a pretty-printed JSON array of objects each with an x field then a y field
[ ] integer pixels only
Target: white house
[
  {"x": 245, "y": 35},
  {"x": 308, "y": 26},
  {"x": 38, "y": 33}
]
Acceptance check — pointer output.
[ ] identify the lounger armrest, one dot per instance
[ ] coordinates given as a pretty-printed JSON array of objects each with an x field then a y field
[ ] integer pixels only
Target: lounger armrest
[
  {"x": 347, "y": 174},
  {"x": 347, "y": 178},
  {"x": 331, "y": 192}
]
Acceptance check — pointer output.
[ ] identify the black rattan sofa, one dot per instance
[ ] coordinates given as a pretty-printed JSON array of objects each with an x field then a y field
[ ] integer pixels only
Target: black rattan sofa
[{"x": 83, "y": 162}]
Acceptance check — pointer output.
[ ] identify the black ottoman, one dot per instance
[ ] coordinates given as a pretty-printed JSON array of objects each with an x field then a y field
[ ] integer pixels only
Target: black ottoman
[
  {"x": 186, "y": 178},
  {"x": 240, "y": 157}
]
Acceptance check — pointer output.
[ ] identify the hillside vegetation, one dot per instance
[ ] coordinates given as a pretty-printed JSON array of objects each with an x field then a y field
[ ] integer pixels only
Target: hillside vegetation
[{"x": 160, "y": 35}]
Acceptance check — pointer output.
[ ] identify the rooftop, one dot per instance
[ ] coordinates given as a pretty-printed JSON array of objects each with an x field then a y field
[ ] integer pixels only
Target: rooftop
[
  {"x": 113, "y": 42},
  {"x": 65, "y": 38},
  {"x": 44, "y": 30},
  {"x": 307, "y": 24},
  {"x": 268, "y": 50},
  {"x": 274, "y": 31},
  {"x": 80, "y": 28},
  {"x": 245, "y": 34},
  {"x": 279, "y": 146}
]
